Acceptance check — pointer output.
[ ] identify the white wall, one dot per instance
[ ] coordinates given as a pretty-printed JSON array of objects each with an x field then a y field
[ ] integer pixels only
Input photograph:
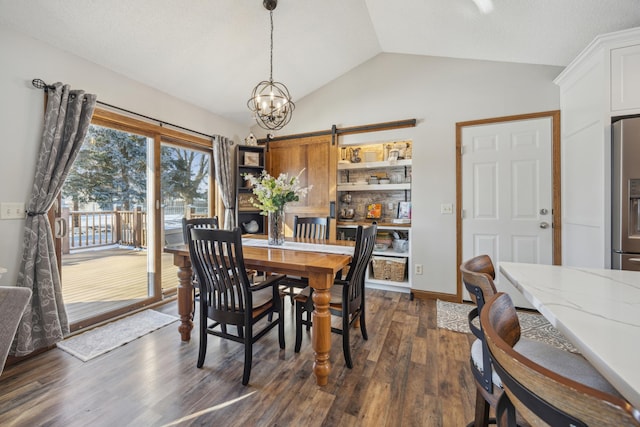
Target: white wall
[
  {"x": 21, "y": 116},
  {"x": 438, "y": 92}
]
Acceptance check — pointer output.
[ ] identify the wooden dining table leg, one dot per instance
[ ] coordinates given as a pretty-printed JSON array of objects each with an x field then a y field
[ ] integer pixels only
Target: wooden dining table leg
[
  {"x": 185, "y": 295},
  {"x": 321, "y": 329}
]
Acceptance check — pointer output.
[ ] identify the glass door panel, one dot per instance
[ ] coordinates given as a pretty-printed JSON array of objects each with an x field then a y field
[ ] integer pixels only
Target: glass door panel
[
  {"x": 186, "y": 193},
  {"x": 105, "y": 254}
]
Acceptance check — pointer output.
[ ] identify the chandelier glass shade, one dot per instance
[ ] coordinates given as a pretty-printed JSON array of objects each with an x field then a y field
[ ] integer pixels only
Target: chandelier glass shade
[{"x": 271, "y": 101}]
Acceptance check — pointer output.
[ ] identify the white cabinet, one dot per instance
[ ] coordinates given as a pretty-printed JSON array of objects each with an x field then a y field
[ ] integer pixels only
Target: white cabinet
[
  {"x": 603, "y": 82},
  {"x": 378, "y": 190},
  {"x": 625, "y": 78}
]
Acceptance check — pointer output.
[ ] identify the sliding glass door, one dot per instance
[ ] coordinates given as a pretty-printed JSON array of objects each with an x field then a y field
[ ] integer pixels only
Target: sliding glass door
[{"x": 122, "y": 202}]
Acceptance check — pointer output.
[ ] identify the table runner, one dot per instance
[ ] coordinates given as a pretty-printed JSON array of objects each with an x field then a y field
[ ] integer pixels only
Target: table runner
[{"x": 299, "y": 246}]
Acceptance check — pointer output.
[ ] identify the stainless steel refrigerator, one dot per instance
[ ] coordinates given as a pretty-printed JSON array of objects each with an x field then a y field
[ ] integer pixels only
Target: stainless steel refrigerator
[{"x": 625, "y": 195}]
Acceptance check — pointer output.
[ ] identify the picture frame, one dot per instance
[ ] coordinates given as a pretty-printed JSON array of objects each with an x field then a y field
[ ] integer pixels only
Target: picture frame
[
  {"x": 244, "y": 202},
  {"x": 404, "y": 210},
  {"x": 374, "y": 211},
  {"x": 252, "y": 159}
]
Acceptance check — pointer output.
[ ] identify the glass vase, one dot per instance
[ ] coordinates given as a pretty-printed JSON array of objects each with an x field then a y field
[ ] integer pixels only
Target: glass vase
[{"x": 275, "y": 227}]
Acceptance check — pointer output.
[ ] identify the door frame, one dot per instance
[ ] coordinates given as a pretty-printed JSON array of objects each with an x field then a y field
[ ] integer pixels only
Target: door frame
[{"x": 556, "y": 213}]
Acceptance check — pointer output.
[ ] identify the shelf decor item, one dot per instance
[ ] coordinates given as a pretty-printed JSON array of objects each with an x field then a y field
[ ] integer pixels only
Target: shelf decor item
[
  {"x": 272, "y": 195},
  {"x": 374, "y": 211},
  {"x": 387, "y": 268},
  {"x": 404, "y": 210},
  {"x": 251, "y": 159}
]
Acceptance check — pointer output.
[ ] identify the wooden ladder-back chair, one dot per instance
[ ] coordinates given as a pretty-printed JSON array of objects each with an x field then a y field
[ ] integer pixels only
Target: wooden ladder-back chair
[
  {"x": 539, "y": 395},
  {"x": 316, "y": 228},
  {"x": 228, "y": 298},
  {"x": 311, "y": 227},
  {"x": 209, "y": 222},
  {"x": 347, "y": 296}
]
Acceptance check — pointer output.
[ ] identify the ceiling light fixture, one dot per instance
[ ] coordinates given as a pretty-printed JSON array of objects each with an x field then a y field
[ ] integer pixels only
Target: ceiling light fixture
[
  {"x": 270, "y": 101},
  {"x": 485, "y": 6}
]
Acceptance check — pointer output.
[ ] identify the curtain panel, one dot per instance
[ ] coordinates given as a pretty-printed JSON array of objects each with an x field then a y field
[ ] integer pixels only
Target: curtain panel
[
  {"x": 66, "y": 121},
  {"x": 225, "y": 177}
]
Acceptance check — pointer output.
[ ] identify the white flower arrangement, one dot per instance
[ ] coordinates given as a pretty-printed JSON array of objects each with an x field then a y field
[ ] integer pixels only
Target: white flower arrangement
[{"x": 273, "y": 193}]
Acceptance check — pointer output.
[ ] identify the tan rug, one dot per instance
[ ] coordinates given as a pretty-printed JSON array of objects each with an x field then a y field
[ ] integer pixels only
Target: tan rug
[
  {"x": 103, "y": 339},
  {"x": 534, "y": 326}
]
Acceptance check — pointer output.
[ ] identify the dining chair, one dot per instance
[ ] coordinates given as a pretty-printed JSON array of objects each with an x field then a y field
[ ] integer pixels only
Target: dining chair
[
  {"x": 538, "y": 394},
  {"x": 228, "y": 298},
  {"x": 347, "y": 296},
  {"x": 208, "y": 222},
  {"x": 309, "y": 228}
]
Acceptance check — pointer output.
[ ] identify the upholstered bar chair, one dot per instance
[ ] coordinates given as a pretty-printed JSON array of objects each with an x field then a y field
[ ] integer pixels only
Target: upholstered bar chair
[
  {"x": 227, "y": 297},
  {"x": 542, "y": 396},
  {"x": 347, "y": 296},
  {"x": 477, "y": 275},
  {"x": 13, "y": 301}
]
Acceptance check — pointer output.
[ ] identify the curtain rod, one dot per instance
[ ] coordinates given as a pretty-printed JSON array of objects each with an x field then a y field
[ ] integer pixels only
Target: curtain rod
[
  {"x": 334, "y": 131},
  {"x": 40, "y": 84}
]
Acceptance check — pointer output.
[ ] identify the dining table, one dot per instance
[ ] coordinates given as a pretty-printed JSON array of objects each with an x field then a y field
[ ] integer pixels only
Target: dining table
[
  {"x": 598, "y": 310},
  {"x": 317, "y": 260}
]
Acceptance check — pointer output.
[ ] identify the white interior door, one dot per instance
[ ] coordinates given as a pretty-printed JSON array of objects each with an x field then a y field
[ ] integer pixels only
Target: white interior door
[{"x": 507, "y": 195}]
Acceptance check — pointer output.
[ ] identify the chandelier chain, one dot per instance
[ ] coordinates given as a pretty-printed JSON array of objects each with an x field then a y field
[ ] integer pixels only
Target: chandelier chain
[
  {"x": 271, "y": 101},
  {"x": 271, "y": 49}
]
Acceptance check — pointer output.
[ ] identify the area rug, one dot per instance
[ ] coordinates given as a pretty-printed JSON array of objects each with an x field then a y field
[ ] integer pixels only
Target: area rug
[
  {"x": 533, "y": 326},
  {"x": 103, "y": 339}
]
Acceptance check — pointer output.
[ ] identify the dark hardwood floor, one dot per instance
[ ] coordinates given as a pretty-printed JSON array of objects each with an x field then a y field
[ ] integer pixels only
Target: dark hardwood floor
[{"x": 409, "y": 373}]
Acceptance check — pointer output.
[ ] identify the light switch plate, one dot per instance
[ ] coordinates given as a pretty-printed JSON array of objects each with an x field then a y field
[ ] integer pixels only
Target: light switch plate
[
  {"x": 11, "y": 210},
  {"x": 446, "y": 208}
]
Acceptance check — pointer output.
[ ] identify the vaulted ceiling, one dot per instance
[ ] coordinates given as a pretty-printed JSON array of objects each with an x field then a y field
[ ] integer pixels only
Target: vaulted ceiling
[{"x": 211, "y": 53}]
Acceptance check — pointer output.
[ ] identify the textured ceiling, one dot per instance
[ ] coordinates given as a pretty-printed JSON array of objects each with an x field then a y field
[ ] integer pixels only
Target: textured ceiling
[{"x": 212, "y": 52}]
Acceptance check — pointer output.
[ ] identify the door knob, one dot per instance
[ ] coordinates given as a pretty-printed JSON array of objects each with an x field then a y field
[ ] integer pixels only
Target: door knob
[
  {"x": 544, "y": 211},
  {"x": 544, "y": 224}
]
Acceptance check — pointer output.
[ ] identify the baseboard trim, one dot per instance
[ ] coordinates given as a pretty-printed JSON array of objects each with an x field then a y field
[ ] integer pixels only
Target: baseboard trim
[{"x": 435, "y": 295}]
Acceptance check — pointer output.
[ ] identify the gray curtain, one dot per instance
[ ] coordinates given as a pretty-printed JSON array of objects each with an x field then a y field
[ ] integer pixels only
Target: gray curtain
[
  {"x": 67, "y": 118},
  {"x": 225, "y": 177}
]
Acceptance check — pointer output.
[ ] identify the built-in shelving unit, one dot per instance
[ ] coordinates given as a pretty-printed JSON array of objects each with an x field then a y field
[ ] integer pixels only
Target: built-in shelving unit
[
  {"x": 356, "y": 189},
  {"x": 249, "y": 159}
]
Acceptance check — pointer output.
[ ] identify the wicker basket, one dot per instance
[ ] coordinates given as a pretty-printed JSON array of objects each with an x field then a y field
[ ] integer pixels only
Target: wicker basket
[{"x": 387, "y": 268}]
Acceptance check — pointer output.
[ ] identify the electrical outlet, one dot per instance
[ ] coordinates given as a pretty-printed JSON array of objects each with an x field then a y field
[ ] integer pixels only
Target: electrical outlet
[
  {"x": 418, "y": 268},
  {"x": 446, "y": 208},
  {"x": 9, "y": 210}
]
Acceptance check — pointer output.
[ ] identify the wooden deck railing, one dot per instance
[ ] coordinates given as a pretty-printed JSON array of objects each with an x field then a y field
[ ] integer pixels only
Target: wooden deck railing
[{"x": 103, "y": 228}]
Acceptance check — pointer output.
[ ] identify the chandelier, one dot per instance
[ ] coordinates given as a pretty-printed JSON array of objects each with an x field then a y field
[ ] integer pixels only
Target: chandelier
[{"x": 270, "y": 101}]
